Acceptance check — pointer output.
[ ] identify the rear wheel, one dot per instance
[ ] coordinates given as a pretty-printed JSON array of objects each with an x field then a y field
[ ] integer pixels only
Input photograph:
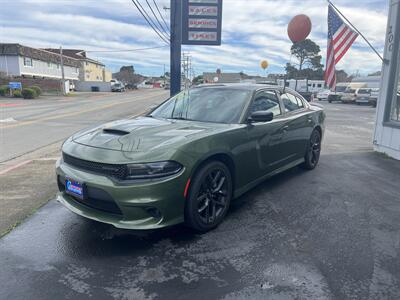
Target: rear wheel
[
  {"x": 313, "y": 151},
  {"x": 209, "y": 197}
]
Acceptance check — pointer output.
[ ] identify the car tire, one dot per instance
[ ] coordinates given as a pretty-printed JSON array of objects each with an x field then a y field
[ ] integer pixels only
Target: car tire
[
  {"x": 311, "y": 158},
  {"x": 209, "y": 197}
]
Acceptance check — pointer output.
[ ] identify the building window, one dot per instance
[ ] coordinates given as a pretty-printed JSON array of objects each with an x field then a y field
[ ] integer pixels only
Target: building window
[
  {"x": 319, "y": 85},
  {"x": 49, "y": 64},
  {"x": 58, "y": 66},
  {"x": 28, "y": 62},
  {"x": 77, "y": 70}
]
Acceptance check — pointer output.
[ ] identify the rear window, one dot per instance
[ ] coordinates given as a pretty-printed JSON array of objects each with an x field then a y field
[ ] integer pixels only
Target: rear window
[{"x": 340, "y": 88}]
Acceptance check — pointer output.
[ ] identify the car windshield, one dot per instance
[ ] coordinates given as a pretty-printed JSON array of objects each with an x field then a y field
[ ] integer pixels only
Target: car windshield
[
  {"x": 350, "y": 91},
  {"x": 364, "y": 91},
  {"x": 218, "y": 105}
]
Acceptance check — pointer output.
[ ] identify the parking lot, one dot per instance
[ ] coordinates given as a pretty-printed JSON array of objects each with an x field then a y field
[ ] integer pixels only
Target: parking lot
[{"x": 331, "y": 233}]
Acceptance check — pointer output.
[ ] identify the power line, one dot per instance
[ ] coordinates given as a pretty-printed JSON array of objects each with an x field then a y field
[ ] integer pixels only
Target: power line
[
  {"x": 148, "y": 22},
  {"x": 159, "y": 12},
  {"x": 151, "y": 20},
  {"x": 128, "y": 50},
  {"x": 155, "y": 16}
]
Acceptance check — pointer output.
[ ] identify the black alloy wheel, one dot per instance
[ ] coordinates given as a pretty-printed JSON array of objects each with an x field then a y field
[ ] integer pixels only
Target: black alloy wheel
[
  {"x": 313, "y": 151},
  {"x": 209, "y": 197}
]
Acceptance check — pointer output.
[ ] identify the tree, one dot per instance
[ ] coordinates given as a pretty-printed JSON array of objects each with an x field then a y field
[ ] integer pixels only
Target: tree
[
  {"x": 309, "y": 61},
  {"x": 198, "y": 79},
  {"x": 342, "y": 76},
  {"x": 377, "y": 73}
]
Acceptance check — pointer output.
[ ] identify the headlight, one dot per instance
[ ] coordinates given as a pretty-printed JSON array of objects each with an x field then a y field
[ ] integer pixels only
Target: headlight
[{"x": 152, "y": 170}]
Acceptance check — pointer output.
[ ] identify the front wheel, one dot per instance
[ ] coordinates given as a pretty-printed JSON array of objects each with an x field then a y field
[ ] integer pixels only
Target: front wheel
[
  {"x": 209, "y": 197},
  {"x": 313, "y": 151}
]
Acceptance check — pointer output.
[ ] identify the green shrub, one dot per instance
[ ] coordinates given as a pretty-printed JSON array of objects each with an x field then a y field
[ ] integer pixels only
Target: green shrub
[
  {"x": 4, "y": 90},
  {"x": 17, "y": 94},
  {"x": 37, "y": 89},
  {"x": 28, "y": 93}
]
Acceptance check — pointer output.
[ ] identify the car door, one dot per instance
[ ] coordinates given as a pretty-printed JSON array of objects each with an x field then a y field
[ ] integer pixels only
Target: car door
[
  {"x": 299, "y": 125},
  {"x": 265, "y": 138}
]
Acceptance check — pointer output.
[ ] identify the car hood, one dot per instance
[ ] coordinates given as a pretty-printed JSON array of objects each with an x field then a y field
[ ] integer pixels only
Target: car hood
[{"x": 144, "y": 134}]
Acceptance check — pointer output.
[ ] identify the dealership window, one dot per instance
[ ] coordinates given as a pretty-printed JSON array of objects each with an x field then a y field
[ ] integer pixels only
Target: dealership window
[
  {"x": 28, "y": 62},
  {"x": 395, "y": 107}
]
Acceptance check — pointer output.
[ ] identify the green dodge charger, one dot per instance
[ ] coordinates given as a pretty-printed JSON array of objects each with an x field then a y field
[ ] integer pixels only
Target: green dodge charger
[{"x": 187, "y": 159}]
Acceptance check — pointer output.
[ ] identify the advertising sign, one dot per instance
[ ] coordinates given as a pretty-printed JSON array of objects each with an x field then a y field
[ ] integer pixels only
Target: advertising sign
[
  {"x": 201, "y": 22},
  {"x": 15, "y": 85}
]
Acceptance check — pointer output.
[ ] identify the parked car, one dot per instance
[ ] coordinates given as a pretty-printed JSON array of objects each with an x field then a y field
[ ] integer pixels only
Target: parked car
[
  {"x": 131, "y": 86},
  {"x": 349, "y": 95},
  {"x": 362, "y": 96},
  {"x": 190, "y": 157},
  {"x": 373, "y": 98},
  {"x": 337, "y": 94},
  {"x": 118, "y": 87},
  {"x": 323, "y": 95}
]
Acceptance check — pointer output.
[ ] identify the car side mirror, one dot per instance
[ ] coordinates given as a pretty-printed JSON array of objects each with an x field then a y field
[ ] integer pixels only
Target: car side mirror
[{"x": 261, "y": 116}]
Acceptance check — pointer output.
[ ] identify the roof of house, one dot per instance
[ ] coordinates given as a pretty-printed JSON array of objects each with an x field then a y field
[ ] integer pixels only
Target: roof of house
[
  {"x": 39, "y": 54},
  {"x": 76, "y": 53},
  {"x": 222, "y": 77}
]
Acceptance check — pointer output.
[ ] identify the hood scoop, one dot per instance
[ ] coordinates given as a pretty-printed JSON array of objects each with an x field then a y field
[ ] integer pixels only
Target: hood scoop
[{"x": 114, "y": 131}]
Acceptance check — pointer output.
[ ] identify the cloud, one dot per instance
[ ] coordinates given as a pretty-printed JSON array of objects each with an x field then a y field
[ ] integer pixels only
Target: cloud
[{"x": 252, "y": 30}]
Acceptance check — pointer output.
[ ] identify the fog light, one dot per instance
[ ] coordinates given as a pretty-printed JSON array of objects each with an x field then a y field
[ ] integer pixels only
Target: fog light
[{"x": 154, "y": 212}]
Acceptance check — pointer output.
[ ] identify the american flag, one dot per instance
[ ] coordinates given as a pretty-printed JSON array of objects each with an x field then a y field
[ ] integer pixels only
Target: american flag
[{"x": 340, "y": 39}]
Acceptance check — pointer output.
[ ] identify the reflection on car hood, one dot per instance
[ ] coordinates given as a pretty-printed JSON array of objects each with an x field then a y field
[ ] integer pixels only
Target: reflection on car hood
[{"x": 144, "y": 134}]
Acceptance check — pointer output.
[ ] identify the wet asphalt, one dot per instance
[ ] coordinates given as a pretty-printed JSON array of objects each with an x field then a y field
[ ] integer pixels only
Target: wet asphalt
[{"x": 330, "y": 233}]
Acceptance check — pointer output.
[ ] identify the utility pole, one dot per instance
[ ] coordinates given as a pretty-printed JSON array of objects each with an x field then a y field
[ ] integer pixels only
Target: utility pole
[
  {"x": 175, "y": 46},
  {"x": 62, "y": 72}
]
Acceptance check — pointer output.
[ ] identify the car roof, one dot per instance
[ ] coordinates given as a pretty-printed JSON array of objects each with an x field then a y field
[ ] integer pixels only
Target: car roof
[{"x": 241, "y": 86}]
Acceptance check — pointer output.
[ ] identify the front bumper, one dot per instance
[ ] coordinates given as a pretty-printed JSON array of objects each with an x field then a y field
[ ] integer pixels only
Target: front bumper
[{"x": 136, "y": 205}]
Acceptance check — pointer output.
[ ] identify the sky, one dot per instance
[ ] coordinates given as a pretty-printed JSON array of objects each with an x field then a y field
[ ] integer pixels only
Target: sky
[{"x": 252, "y": 30}]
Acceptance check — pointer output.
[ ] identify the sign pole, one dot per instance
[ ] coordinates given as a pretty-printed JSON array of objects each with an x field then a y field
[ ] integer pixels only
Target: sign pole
[{"x": 175, "y": 46}]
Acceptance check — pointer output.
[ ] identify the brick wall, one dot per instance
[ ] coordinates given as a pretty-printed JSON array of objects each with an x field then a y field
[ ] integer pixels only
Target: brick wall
[{"x": 47, "y": 85}]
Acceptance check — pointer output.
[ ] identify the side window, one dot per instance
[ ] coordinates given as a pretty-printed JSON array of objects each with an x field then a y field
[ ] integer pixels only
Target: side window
[
  {"x": 266, "y": 101},
  {"x": 291, "y": 103},
  {"x": 300, "y": 102}
]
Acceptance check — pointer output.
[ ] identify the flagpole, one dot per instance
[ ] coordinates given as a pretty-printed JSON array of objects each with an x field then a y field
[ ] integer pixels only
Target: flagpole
[{"x": 355, "y": 28}]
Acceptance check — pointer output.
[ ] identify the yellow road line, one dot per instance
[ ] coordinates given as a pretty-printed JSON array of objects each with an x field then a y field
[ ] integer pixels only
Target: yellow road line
[{"x": 23, "y": 123}]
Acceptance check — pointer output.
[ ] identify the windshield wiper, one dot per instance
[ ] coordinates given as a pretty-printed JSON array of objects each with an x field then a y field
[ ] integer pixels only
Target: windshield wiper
[{"x": 179, "y": 118}]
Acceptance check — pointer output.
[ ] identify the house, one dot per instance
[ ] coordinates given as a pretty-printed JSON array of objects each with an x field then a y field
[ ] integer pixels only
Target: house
[
  {"x": 90, "y": 69},
  {"x": 221, "y": 77},
  {"x": 19, "y": 60}
]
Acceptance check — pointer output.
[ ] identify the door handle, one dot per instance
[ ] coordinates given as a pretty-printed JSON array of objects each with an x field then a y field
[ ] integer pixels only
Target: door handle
[
  {"x": 309, "y": 119},
  {"x": 285, "y": 128}
]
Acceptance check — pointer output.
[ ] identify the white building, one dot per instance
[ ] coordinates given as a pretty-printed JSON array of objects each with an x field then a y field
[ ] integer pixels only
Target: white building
[
  {"x": 18, "y": 60},
  {"x": 303, "y": 85},
  {"x": 387, "y": 127}
]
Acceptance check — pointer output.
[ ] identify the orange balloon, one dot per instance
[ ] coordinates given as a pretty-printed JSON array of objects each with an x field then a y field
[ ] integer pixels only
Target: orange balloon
[
  {"x": 299, "y": 28},
  {"x": 264, "y": 64}
]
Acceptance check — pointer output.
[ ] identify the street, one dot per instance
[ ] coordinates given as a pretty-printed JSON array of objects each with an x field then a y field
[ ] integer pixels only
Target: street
[
  {"x": 330, "y": 233},
  {"x": 38, "y": 123}
]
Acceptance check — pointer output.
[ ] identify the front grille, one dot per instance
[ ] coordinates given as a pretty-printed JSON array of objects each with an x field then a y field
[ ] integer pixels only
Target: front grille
[{"x": 110, "y": 170}]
